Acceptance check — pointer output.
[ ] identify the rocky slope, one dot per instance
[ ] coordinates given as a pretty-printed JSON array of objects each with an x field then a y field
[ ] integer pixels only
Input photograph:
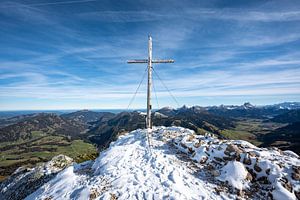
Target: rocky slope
[
  {"x": 24, "y": 181},
  {"x": 179, "y": 165}
]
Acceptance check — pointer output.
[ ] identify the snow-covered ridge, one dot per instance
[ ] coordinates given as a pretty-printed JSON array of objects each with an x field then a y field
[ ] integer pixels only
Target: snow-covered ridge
[{"x": 181, "y": 165}]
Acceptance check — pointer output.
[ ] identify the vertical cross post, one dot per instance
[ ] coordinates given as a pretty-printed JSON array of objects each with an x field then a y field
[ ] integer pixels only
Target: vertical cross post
[
  {"x": 149, "y": 61},
  {"x": 149, "y": 107}
]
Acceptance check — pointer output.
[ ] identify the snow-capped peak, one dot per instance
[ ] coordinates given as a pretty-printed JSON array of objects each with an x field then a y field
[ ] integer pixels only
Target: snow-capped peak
[{"x": 248, "y": 105}]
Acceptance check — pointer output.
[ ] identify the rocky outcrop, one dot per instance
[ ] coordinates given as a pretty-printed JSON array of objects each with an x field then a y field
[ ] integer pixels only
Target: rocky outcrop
[
  {"x": 245, "y": 167},
  {"x": 24, "y": 181}
]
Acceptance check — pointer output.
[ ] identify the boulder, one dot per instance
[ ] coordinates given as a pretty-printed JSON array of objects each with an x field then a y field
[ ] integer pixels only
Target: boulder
[
  {"x": 257, "y": 168},
  {"x": 247, "y": 160},
  {"x": 232, "y": 149},
  {"x": 296, "y": 173}
]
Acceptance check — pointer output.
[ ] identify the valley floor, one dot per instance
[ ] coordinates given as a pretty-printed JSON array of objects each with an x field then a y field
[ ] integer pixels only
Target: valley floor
[{"x": 41, "y": 148}]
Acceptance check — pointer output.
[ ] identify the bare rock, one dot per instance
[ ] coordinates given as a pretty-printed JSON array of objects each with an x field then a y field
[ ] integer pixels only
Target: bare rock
[
  {"x": 190, "y": 138},
  {"x": 253, "y": 154},
  {"x": 286, "y": 184},
  {"x": 191, "y": 151},
  {"x": 296, "y": 169},
  {"x": 263, "y": 180},
  {"x": 197, "y": 145},
  {"x": 297, "y": 194},
  {"x": 240, "y": 193},
  {"x": 296, "y": 173},
  {"x": 113, "y": 196},
  {"x": 296, "y": 176},
  {"x": 249, "y": 177},
  {"x": 203, "y": 160},
  {"x": 247, "y": 160},
  {"x": 210, "y": 167},
  {"x": 253, "y": 174},
  {"x": 183, "y": 145},
  {"x": 238, "y": 157},
  {"x": 232, "y": 149},
  {"x": 257, "y": 168},
  {"x": 218, "y": 159},
  {"x": 215, "y": 173},
  {"x": 94, "y": 193}
]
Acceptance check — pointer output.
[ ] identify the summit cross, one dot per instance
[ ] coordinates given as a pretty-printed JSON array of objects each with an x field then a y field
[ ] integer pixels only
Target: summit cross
[{"x": 149, "y": 61}]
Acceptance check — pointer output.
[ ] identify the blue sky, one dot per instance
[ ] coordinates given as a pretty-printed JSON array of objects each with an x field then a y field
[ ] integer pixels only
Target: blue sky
[{"x": 71, "y": 54}]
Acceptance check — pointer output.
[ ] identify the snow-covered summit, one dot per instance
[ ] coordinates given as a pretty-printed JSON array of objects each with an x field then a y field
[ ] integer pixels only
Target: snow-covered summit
[
  {"x": 180, "y": 165},
  {"x": 248, "y": 105}
]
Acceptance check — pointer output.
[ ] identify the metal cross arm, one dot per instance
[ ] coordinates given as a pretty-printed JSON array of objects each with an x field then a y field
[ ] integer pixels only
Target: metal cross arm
[
  {"x": 137, "y": 61},
  {"x": 146, "y": 61},
  {"x": 163, "y": 61}
]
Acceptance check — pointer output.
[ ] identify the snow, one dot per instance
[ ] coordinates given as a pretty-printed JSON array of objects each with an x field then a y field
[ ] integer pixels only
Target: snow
[
  {"x": 142, "y": 113},
  {"x": 281, "y": 193},
  {"x": 290, "y": 153},
  {"x": 181, "y": 165},
  {"x": 59, "y": 186},
  {"x": 235, "y": 173},
  {"x": 136, "y": 174},
  {"x": 158, "y": 114},
  {"x": 132, "y": 173}
]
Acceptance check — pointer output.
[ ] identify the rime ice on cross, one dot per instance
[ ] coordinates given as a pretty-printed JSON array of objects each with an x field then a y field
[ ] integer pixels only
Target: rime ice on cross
[{"x": 149, "y": 61}]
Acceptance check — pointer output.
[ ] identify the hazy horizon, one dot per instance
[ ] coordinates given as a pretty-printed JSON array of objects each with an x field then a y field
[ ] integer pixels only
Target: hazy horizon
[{"x": 144, "y": 109}]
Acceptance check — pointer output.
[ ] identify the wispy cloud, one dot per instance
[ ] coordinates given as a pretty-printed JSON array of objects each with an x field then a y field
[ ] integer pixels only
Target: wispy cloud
[
  {"x": 245, "y": 15},
  {"x": 77, "y": 50}
]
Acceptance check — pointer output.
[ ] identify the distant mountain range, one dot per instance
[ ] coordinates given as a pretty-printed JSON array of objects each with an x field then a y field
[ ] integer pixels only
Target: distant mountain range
[
  {"x": 271, "y": 125},
  {"x": 249, "y": 110},
  {"x": 102, "y": 127}
]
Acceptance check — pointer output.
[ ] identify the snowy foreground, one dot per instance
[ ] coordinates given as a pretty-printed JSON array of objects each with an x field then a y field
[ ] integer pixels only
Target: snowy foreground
[{"x": 181, "y": 165}]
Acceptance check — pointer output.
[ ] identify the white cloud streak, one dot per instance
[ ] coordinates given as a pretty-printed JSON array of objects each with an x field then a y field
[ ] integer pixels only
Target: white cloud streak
[{"x": 40, "y": 76}]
